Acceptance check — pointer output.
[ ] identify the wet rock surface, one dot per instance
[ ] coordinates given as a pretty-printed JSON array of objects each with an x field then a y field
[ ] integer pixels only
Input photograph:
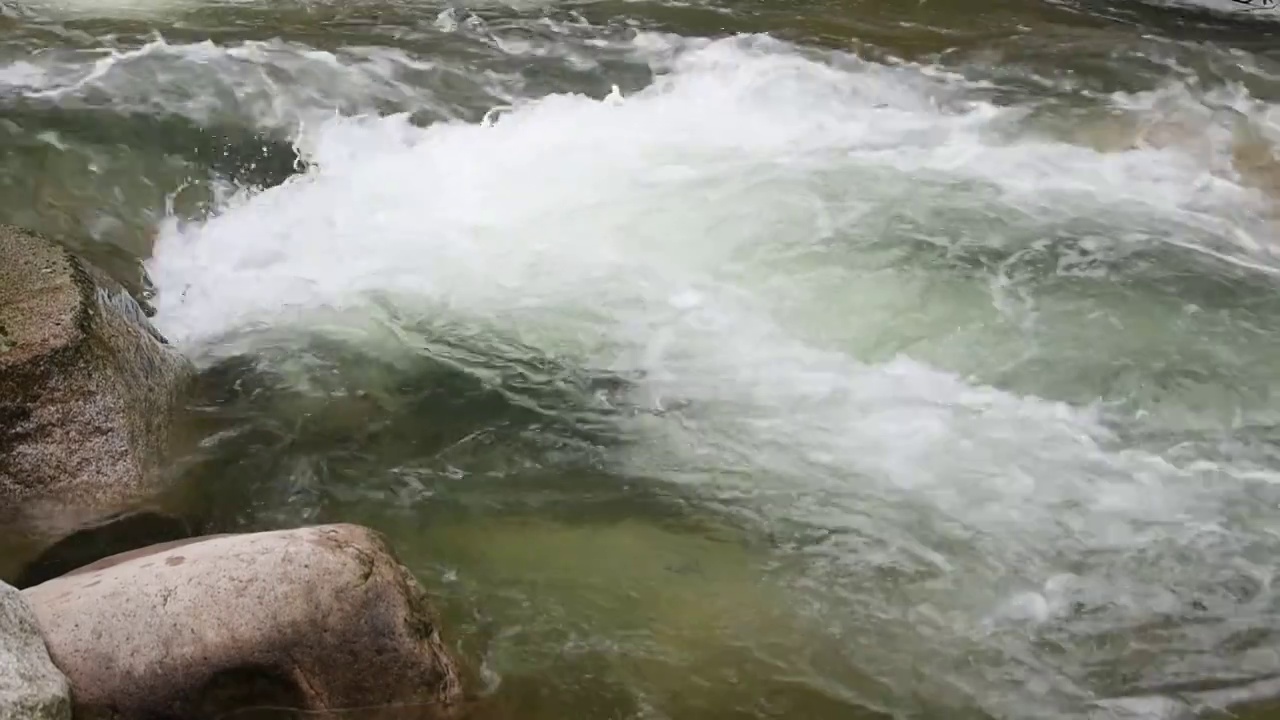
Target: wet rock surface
[
  {"x": 316, "y": 619},
  {"x": 110, "y": 536},
  {"x": 31, "y": 687},
  {"x": 87, "y": 393}
]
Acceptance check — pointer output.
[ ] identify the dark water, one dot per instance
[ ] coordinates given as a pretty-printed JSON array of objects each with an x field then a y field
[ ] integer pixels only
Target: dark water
[{"x": 716, "y": 359}]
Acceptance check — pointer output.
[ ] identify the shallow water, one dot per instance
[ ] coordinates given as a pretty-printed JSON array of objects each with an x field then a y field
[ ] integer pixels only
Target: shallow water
[{"x": 863, "y": 359}]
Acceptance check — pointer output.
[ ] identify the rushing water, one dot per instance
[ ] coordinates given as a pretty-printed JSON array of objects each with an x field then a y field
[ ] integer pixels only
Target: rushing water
[{"x": 711, "y": 358}]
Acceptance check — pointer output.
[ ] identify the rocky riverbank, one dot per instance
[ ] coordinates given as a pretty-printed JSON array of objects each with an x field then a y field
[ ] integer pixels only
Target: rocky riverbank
[{"x": 124, "y": 614}]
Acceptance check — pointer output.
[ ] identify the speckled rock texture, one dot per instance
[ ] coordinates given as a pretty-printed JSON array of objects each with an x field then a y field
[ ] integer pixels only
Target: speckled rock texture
[
  {"x": 319, "y": 619},
  {"x": 31, "y": 687},
  {"x": 87, "y": 390}
]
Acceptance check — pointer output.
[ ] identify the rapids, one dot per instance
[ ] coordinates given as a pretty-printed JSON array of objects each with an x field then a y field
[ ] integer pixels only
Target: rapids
[{"x": 711, "y": 359}]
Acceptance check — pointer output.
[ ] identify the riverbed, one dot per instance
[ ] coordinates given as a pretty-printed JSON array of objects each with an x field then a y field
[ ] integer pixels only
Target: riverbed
[{"x": 709, "y": 358}]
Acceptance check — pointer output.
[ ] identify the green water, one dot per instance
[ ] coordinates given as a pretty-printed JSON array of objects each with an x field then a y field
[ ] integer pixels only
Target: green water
[{"x": 850, "y": 360}]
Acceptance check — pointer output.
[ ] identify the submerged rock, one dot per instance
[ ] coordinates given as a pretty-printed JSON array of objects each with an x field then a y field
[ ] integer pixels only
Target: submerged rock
[
  {"x": 87, "y": 390},
  {"x": 316, "y": 619},
  {"x": 109, "y": 536},
  {"x": 31, "y": 687}
]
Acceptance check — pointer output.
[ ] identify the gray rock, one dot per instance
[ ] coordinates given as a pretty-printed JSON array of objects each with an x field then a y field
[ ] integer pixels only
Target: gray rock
[
  {"x": 87, "y": 391},
  {"x": 110, "y": 536},
  {"x": 317, "y": 619},
  {"x": 31, "y": 687}
]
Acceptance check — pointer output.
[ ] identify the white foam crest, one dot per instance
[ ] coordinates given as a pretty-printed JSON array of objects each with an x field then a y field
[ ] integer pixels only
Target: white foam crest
[
  {"x": 21, "y": 75},
  {"x": 569, "y": 214},
  {"x": 472, "y": 215},
  {"x": 664, "y": 233},
  {"x": 469, "y": 214}
]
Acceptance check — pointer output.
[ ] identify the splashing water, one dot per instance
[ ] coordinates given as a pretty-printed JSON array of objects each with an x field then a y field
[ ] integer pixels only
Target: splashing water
[{"x": 892, "y": 324}]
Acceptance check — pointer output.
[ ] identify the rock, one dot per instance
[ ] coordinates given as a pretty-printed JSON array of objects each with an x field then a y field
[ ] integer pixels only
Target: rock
[
  {"x": 31, "y": 687},
  {"x": 320, "y": 618},
  {"x": 87, "y": 390},
  {"x": 109, "y": 536}
]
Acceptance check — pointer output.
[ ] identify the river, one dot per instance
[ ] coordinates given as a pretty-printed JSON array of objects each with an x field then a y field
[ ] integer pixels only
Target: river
[{"x": 716, "y": 359}]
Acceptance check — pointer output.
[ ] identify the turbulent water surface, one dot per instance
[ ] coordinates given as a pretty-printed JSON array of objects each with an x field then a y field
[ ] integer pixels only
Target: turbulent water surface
[{"x": 716, "y": 359}]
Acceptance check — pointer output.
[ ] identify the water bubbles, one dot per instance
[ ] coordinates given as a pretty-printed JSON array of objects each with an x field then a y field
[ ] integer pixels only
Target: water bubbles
[
  {"x": 793, "y": 264},
  {"x": 1025, "y": 607},
  {"x": 447, "y": 20}
]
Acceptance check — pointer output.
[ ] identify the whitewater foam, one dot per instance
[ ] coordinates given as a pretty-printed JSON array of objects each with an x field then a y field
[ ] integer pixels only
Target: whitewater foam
[
  {"x": 662, "y": 233},
  {"x": 716, "y": 233}
]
